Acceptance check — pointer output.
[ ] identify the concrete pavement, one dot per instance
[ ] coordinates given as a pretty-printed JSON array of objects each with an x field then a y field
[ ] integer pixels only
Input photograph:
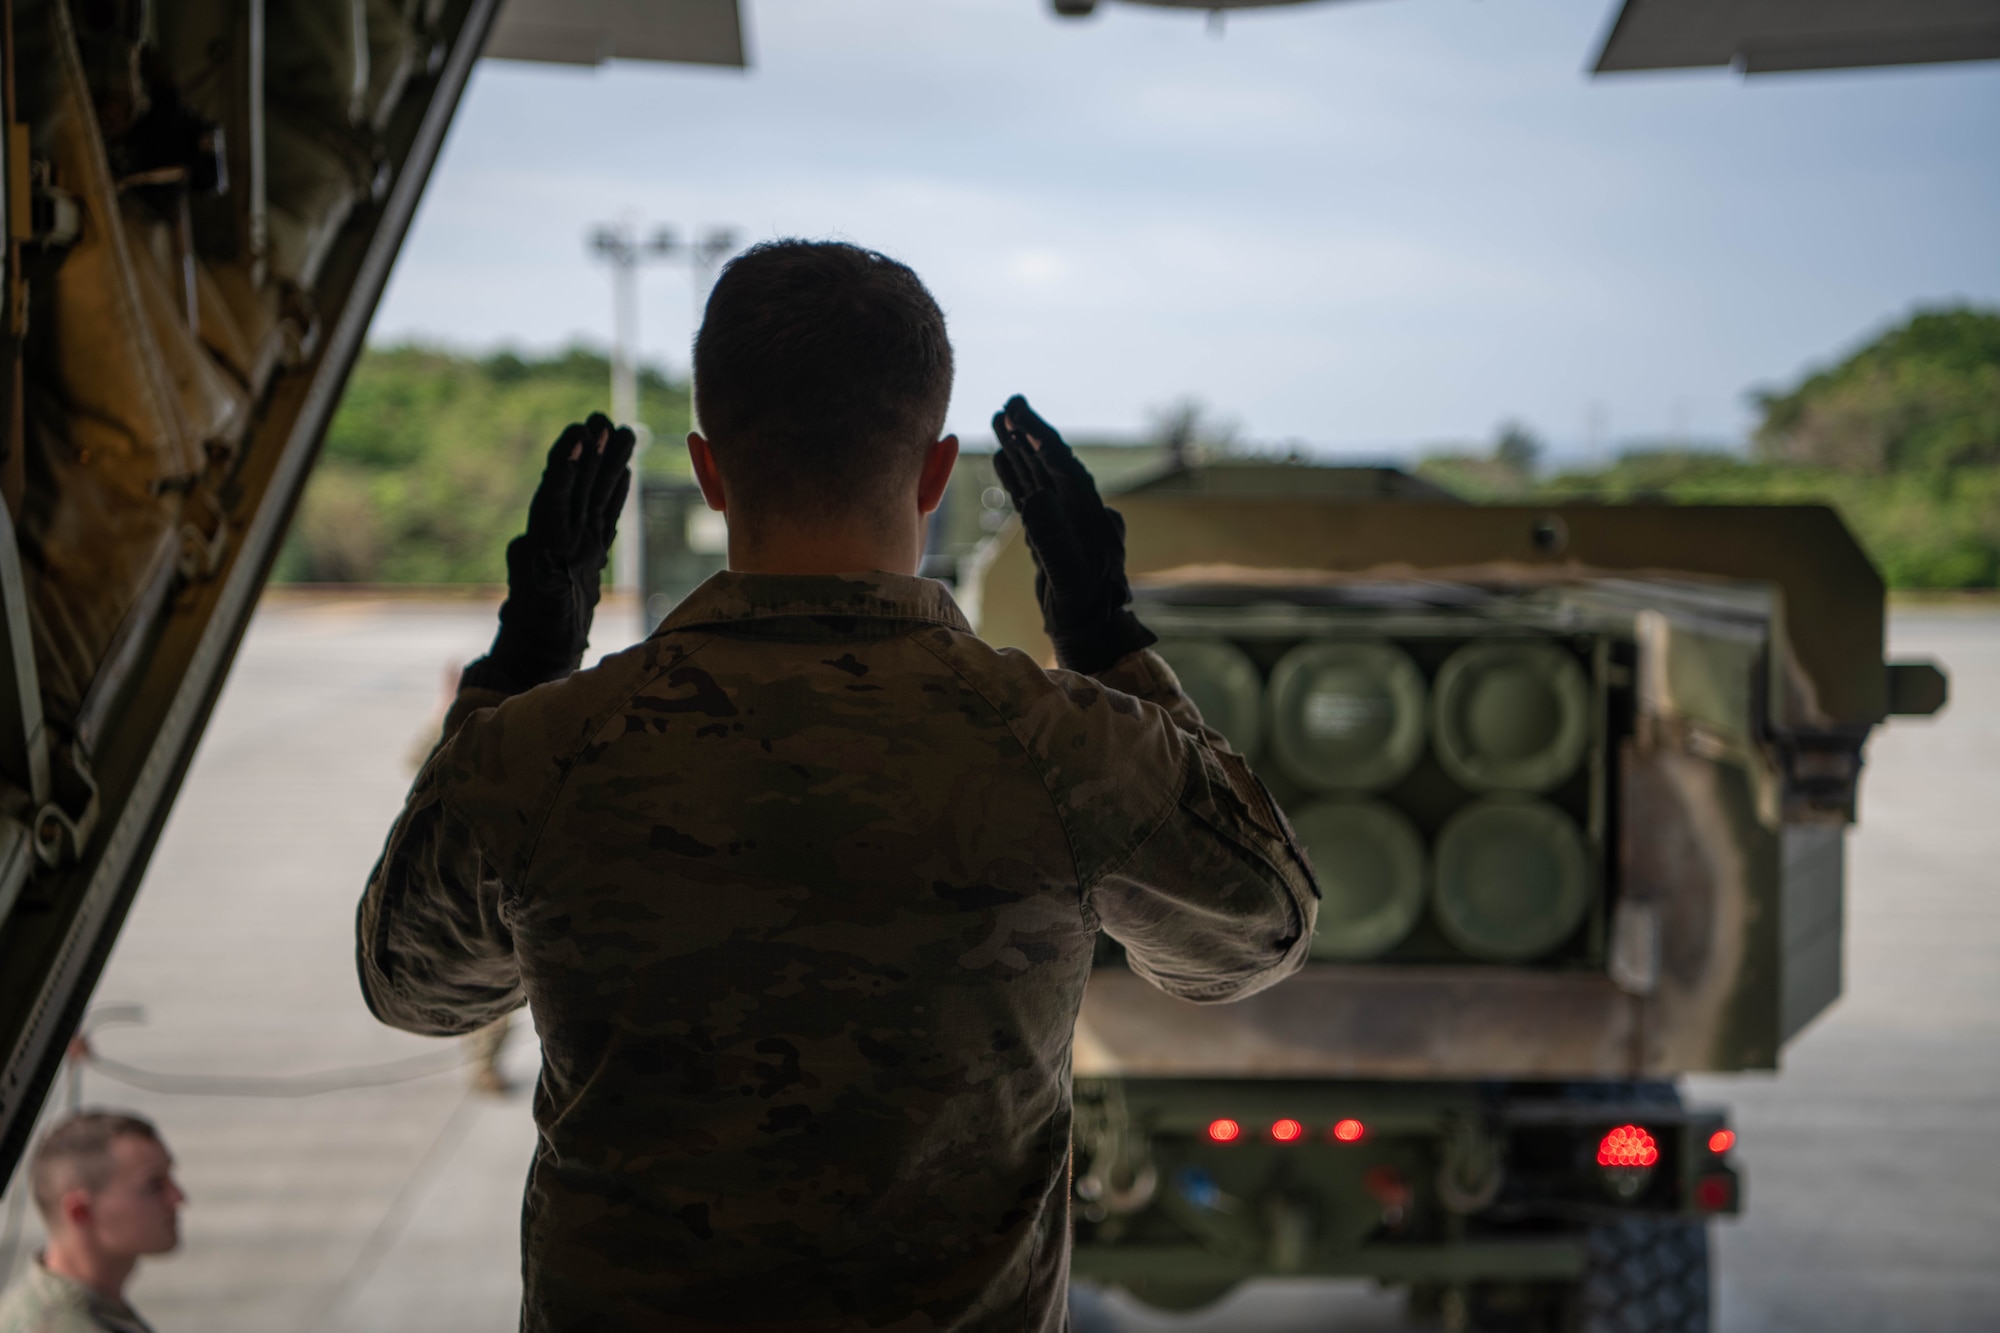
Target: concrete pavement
[{"x": 1874, "y": 1190}]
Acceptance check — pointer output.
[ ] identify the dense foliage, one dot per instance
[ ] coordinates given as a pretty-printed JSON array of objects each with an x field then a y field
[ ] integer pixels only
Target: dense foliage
[
  {"x": 429, "y": 462},
  {"x": 1924, "y": 397},
  {"x": 1902, "y": 437},
  {"x": 1929, "y": 528}
]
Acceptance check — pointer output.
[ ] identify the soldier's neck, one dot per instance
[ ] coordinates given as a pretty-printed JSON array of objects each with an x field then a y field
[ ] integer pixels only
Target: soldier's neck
[
  {"x": 789, "y": 549},
  {"x": 73, "y": 1257}
]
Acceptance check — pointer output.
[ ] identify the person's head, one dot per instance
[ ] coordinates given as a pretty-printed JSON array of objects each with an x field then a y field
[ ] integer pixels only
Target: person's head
[
  {"x": 822, "y": 373},
  {"x": 104, "y": 1181}
]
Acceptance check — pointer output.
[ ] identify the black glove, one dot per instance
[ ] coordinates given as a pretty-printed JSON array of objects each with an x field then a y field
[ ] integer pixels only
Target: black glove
[
  {"x": 555, "y": 567},
  {"x": 1078, "y": 543}
]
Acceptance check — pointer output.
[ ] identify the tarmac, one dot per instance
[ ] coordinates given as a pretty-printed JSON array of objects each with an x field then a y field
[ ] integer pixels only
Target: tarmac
[{"x": 1873, "y": 1180}]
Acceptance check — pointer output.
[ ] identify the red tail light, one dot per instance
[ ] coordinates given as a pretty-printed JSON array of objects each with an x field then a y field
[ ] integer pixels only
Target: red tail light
[
  {"x": 1224, "y": 1131},
  {"x": 1721, "y": 1141},
  {"x": 1347, "y": 1131},
  {"x": 1287, "y": 1131},
  {"x": 1628, "y": 1145},
  {"x": 1388, "y": 1187},
  {"x": 1714, "y": 1194}
]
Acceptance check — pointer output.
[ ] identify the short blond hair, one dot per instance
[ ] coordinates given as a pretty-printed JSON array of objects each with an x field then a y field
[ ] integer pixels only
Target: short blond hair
[{"x": 76, "y": 1154}]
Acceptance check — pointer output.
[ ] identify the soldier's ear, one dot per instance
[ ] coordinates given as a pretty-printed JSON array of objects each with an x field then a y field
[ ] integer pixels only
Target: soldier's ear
[
  {"x": 706, "y": 474},
  {"x": 939, "y": 459},
  {"x": 74, "y": 1208}
]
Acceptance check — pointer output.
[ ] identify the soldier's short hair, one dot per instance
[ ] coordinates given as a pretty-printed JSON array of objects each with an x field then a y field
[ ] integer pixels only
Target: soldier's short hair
[
  {"x": 76, "y": 1154},
  {"x": 821, "y": 372}
]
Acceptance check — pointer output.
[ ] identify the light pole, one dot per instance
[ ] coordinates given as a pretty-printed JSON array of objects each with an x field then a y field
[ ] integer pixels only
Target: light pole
[
  {"x": 619, "y": 246},
  {"x": 702, "y": 258}
]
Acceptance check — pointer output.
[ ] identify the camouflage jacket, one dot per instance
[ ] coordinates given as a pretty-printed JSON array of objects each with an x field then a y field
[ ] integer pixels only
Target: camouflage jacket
[
  {"x": 39, "y": 1301},
  {"x": 802, "y": 892}
]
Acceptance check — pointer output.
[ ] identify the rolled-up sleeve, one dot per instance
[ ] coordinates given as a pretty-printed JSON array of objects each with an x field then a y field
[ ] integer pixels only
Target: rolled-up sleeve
[
  {"x": 1215, "y": 903},
  {"x": 1209, "y": 893},
  {"x": 433, "y": 949}
]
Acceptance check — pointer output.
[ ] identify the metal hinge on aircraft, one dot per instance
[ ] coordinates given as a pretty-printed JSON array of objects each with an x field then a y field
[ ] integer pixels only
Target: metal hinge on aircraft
[
  {"x": 65, "y": 821},
  {"x": 49, "y": 806},
  {"x": 204, "y": 536}
]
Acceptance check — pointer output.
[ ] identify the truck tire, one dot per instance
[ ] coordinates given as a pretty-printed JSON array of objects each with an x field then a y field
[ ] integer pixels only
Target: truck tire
[
  {"x": 1176, "y": 1297},
  {"x": 1644, "y": 1275},
  {"x": 1092, "y": 1311}
]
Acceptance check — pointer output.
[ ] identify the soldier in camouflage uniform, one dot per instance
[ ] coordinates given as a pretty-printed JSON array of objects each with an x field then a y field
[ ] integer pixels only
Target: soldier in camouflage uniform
[
  {"x": 803, "y": 889},
  {"x": 104, "y": 1185}
]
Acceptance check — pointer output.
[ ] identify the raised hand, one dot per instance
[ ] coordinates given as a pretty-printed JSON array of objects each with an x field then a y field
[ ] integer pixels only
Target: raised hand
[
  {"x": 1078, "y": 542},
  {"x": 554, "y": 569}
]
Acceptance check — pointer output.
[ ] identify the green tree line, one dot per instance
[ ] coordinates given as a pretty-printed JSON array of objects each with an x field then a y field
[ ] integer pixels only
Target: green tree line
[
  {"x": 1902, "y": 437},
  {"x": 431, "y": 457}
]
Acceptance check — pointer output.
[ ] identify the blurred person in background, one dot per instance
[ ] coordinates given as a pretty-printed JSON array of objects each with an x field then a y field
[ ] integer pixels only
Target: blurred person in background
[{"x": 104, "y": 1184}]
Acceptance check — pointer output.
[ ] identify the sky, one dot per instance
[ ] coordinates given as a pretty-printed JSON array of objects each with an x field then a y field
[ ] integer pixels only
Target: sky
[{"x": 1357, "y": 228}]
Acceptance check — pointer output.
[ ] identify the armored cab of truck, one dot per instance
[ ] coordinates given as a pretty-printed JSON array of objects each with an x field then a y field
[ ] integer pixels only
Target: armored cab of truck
[{"x": 1575, "y": 782}]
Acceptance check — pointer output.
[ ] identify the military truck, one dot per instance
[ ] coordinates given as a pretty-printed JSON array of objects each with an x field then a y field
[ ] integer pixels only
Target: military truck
[{"x": 1575, "y": 780}]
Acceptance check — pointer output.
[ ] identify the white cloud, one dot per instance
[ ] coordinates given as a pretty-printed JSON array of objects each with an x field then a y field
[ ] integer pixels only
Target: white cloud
[{"x": 1357, "y": 225}]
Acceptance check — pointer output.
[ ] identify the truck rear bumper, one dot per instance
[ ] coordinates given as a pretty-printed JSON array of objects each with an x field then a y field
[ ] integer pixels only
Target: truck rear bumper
[
  {"x": 1553, "y": 1260},
  {"x": 1353, "y": 1021}
]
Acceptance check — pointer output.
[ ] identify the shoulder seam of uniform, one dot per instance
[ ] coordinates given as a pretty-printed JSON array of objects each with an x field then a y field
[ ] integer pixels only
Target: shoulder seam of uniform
[
  {"x": 555, "y": 790},
  {"x": 1055, "y": 806}
]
